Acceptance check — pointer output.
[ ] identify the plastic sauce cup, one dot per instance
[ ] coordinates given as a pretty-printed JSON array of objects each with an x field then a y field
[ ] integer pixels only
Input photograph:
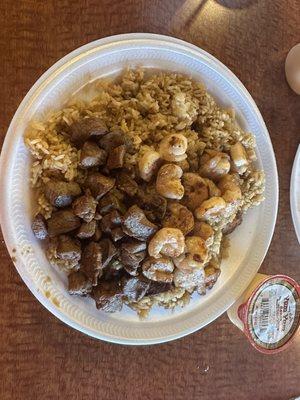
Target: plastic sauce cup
[{"x": 268, "y": 312}]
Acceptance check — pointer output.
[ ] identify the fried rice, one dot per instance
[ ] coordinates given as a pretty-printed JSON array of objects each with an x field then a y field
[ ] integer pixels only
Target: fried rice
[{"x": 146, "y": 106}]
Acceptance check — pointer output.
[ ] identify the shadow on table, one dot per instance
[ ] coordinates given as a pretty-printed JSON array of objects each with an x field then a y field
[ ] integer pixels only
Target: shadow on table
[
  {"x": 236, "y": 4},
  {"x": 189, "y": 10},
  {"x": 196, "y": 12}
]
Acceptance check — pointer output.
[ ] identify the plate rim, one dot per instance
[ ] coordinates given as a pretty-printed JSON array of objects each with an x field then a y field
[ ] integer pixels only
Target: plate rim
[
  {"x": 54, "y": 71},
  {"x": 293, "y": 192}
]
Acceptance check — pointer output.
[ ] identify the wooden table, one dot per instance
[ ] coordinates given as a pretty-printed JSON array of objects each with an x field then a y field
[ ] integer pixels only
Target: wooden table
[{"x": 42, "y": 358}]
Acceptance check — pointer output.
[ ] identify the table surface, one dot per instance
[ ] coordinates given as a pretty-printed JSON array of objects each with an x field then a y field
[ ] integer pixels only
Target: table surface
[{"x": 40, "y": 357}]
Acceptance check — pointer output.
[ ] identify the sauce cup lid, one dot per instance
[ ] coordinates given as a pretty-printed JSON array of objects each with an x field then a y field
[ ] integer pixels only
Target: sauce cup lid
[{"x": 271, "y": 315}]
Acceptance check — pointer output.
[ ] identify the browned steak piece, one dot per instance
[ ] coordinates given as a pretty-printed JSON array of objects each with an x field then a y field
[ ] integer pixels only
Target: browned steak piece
[
  {"x": 108, "y": 250},
  {"x": 131, "y": 259},
  {"x": 135, "y": 288},
  {"x": 85, "y": 207},
  {"x": 132, "y": 254},
  {"x": 92, "y": 155},
  {"x": 87, "y": 229},
  {"x": 127, "y": 184},
  {"x": 99, "y": 184},
  {"x": 117, "y": 234},
  {"x": 110, "y": 221},
  {"x": 108, "y": 296},
  {"x": 85, "y": 128},
  {"x": 62, "y": 221},
  {"x": 158, "y": 287},
  {"x": 133, "y": 271},
  {"x": 39, "y": 227},
  {"x": 136, "y": 224},
  {"x": 98, "y": 234},
  {"x": 79, "y": 284},
  {"x": 91, "y": 261},
  {"x": 116, "y": 157},
  {"x": 113, "y": 271},
  {"x": 61, "y": 193},
  {"x": 111, "y": 201},
  {"x": 134, "y": 246},
  {"x": 68, "y": 248},
  {"x": 111, "y": 140},
  {"x": 153, "y": 205}
]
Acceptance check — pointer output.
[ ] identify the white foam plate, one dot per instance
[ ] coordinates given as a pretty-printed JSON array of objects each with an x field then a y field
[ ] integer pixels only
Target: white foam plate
[
  {"x": 295, "y": 193},
  {"x": 249, "y": 243}
]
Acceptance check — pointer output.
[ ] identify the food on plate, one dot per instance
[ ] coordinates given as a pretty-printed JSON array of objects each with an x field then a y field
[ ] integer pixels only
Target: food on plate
[{"x": 137, "y": 189}]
